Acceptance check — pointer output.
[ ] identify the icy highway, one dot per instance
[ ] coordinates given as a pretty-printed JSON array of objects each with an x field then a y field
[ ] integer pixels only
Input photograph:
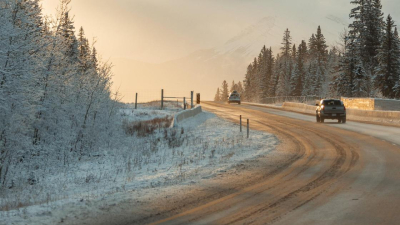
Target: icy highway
[{"x": 327, "y": 174}]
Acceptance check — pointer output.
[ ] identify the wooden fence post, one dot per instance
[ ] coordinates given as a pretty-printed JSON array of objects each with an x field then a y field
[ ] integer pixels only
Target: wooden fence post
[
  {"x": 191, "y": 99},
  {"x": 240, "y": 123},
  {"x": 136, "y": 101},
  {"x": 162, "y": 99},
  {"x": 248, "y": 127}
]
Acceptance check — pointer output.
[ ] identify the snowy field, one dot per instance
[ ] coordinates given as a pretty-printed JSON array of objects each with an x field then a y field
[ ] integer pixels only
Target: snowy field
[{"x": 160, "y": 156}]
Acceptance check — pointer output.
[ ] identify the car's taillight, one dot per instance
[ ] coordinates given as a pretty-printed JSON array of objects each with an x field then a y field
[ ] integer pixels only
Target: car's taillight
[
  {"x": 344, "y": 108},
  {"x": 322, "y": 107}
]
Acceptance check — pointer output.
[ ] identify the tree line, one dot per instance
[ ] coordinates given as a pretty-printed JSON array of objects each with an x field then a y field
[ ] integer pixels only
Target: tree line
[
  {"x": 365, "y": 63},
  {"x": 55, "y": 97}
]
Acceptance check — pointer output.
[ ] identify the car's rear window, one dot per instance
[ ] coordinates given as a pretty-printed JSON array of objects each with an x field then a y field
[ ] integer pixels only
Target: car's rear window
[{"x": 332, "y": 103}]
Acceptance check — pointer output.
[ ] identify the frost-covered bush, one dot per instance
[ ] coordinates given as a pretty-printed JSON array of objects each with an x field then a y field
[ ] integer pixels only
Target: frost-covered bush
[{"x": 55, "y": 98}]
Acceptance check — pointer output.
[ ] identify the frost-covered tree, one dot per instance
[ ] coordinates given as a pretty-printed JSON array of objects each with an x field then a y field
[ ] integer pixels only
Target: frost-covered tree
[
  {"x": 344, "y": 83},
  {"x": 317, "y": 68},
  {"x": 332, "y": 72},
  {"x": 55, "y": 96},
  {"x": 387, "y": 73},
  {"x": 365, "y": 34},
  {"x": 20, "y": 43}
]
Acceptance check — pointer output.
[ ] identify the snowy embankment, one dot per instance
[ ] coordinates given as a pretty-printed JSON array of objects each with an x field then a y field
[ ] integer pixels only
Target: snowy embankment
[{"x": 147, "y": 158}]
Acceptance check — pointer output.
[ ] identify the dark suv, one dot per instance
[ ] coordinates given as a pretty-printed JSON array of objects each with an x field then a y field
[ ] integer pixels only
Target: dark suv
[
  {"x": 234, "y": 97},
  {"x": 331, "y": 109}
]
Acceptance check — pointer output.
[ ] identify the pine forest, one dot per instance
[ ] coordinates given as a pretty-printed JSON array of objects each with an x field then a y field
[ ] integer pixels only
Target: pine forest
[{"x": 365, "y": 63}]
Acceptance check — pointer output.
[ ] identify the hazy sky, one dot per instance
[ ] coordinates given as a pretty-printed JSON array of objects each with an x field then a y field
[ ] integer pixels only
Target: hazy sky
[
  {"x": 160, "y": 30},
  {"x": 156, "y": 31}
]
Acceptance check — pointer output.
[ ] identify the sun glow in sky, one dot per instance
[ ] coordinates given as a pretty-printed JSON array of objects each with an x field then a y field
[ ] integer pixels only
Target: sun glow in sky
[
  {"x": 161, "y": 30},
  {"x": 157, "y": 31}
]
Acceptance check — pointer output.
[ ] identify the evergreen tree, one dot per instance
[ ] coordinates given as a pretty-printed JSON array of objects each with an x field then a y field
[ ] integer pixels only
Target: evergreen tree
[
  {"x": 365, "y": 33},
  {"x": 388, "y": 57},
  {"x": 275, "y": 77},
  {"x": 283, "y": 88},
  {"x": 70, "y": 41},
  {"x": 396, "y": 88},
  {"x": 247, "y": 94},
  {"x": 293, "y": 66},
  {"x": 217, "y": 96},
  {"x": 84, "y": 51},
  {"x": 255, "y": 88},
  {"x": 263, "y": 74},
  {"x": 239, "y": 88},
  {"x": 233, "y": 87},
  {"x": 300, "y": 70},
  {"x": 317, "y": 68},
  {"x": 310, "y": 75},
  {"x": 332, "y": 68},
  {"x": 374, "y": 27},
  {"x": 344, "y": 82},
  {"x": 251, "y": 83},
  {"x": 95, "y": 61},
  {"x": 294, "y": 52},
  {"x": 321, "y": 61},
  {"x": 271, "y": 83},
  {"x": 224, "y": 91}
]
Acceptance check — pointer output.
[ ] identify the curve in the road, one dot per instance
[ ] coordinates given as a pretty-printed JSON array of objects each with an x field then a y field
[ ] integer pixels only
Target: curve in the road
[{"x": 327, "y": 161}]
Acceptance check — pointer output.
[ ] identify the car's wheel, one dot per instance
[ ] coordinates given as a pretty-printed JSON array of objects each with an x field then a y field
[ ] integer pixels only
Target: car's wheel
[
  {"x": 239, "y": 103},
  {"x": 344, "y": 120},
  {"x": 322, "y": 119},
  {"x": 339, "y": 120},
  {"x": 317, "y": 117}
]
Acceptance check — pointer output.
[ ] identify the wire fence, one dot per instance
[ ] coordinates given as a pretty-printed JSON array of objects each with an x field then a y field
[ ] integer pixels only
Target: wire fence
[
  {"x": 157, "y": 98},
  {"x": 146, "y": 96}
]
